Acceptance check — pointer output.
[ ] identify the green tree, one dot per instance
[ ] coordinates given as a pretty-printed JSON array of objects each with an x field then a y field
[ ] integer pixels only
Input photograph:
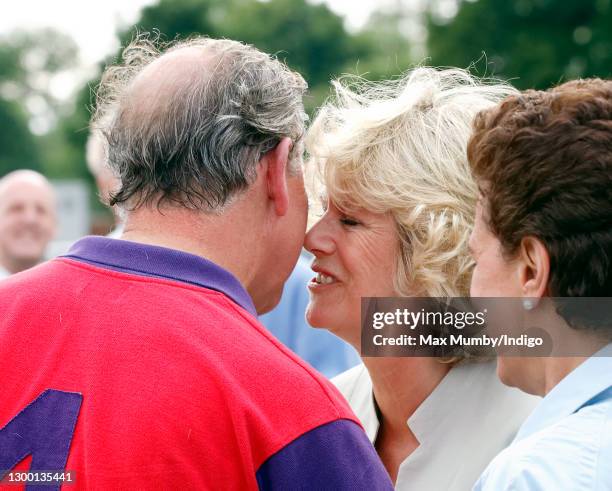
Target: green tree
[
  {"x": 310, "y": 38},
  {"x": 536, "y": 43},
  {"x": 385, "y": 47},
  {"x": 17, "y": 144},
  {"x": 28, "y": 62},
  {"x": 66, "y": 143},
  {"x": 18, "y": 148},
  {"x": 177, "y": 18}
]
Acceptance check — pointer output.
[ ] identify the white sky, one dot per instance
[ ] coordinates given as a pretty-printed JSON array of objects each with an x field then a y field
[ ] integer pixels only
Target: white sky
[{"x": 91, "y": 23}]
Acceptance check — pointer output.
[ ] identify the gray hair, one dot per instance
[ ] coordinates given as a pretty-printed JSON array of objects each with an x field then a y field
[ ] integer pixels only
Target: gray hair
[{"x": 198, "y": 147}]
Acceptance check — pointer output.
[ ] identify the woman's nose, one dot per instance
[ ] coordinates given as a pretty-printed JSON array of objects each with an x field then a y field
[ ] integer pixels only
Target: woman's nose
[{"x": 319, "y": 240}]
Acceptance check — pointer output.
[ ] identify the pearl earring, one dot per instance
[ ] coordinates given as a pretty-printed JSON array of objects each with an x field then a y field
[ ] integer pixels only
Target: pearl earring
[{"x": 529, "y": 303}]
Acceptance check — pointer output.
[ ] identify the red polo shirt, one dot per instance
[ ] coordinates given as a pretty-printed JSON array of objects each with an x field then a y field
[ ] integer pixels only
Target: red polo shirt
[{"x": 137, "y": 366}]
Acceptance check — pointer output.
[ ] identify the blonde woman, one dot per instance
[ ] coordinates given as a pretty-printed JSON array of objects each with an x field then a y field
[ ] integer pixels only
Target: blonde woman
[{"x": 398, "y": 205}]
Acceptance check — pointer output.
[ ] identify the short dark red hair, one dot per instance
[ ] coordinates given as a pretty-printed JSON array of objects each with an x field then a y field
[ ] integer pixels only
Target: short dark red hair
[{"x": 543, "y": 160}]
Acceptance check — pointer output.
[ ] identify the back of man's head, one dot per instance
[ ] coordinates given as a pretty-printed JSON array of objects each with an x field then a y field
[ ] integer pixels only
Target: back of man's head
[
  {"x": 206, "y": 141},
  {"x": 27, "y": 219},
  {"x": 191, "y": 125}
]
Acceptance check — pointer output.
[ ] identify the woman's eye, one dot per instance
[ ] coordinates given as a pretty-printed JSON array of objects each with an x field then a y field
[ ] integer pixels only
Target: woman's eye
[{"x": 348, "y": 221}]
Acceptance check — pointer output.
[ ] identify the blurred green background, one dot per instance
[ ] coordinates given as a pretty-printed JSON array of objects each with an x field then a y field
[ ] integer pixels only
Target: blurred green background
[{"x": 532, "y": 43}]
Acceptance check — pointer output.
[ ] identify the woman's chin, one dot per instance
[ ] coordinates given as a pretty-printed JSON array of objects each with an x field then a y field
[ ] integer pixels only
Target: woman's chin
[
  {"x": 314, "y": 318},
  {"x": 320, "y": 317}
]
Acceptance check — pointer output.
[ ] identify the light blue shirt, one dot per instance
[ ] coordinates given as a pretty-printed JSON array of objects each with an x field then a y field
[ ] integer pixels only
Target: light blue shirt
[
  {"x": 324, "y": 351},
  {"x": 566, "y": 443}
]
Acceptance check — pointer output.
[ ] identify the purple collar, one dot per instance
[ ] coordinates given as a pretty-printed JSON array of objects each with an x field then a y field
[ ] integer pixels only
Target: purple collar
[{"x": 159, "y": 262}]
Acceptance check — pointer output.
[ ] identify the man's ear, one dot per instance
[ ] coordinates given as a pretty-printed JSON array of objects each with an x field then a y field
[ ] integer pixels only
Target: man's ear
[
  {"x": 535, "y": 267},
  {"x": 276, "y": 175}
]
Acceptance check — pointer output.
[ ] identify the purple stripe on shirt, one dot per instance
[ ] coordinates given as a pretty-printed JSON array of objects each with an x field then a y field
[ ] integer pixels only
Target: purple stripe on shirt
[
  {"x": 337, "y": 455},
  {"x": 160, "y": 262}
]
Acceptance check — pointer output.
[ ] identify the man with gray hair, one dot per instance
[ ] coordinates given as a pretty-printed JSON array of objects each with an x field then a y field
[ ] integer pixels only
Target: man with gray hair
[{"x": 146, "y": 365}]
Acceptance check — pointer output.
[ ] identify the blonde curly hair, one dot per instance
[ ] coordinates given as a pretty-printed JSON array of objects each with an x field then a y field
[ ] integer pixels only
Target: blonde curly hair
[{"x": 399, "y": 147}]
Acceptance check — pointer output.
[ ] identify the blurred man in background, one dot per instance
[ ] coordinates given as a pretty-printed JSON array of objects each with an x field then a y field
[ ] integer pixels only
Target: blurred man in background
[
  {"x": 97, "y": 163},
  {"x": 27, "y": 220}
]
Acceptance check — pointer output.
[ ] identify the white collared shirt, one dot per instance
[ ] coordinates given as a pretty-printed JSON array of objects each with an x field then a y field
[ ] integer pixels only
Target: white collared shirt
[
  {"x": 4, "y": 273},
  {"x": 468, "y": 418}
]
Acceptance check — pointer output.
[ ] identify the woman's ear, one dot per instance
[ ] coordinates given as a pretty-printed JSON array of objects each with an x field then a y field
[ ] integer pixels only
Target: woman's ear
[{"x": 534, "y": 269}]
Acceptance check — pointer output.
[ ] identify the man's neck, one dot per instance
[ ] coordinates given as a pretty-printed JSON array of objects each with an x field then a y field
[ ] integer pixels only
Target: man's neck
[{"x": 225, "y": 241}]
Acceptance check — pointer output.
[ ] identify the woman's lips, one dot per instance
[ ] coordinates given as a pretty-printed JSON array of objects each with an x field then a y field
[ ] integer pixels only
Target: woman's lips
[{"x": 322, "y": 279}]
